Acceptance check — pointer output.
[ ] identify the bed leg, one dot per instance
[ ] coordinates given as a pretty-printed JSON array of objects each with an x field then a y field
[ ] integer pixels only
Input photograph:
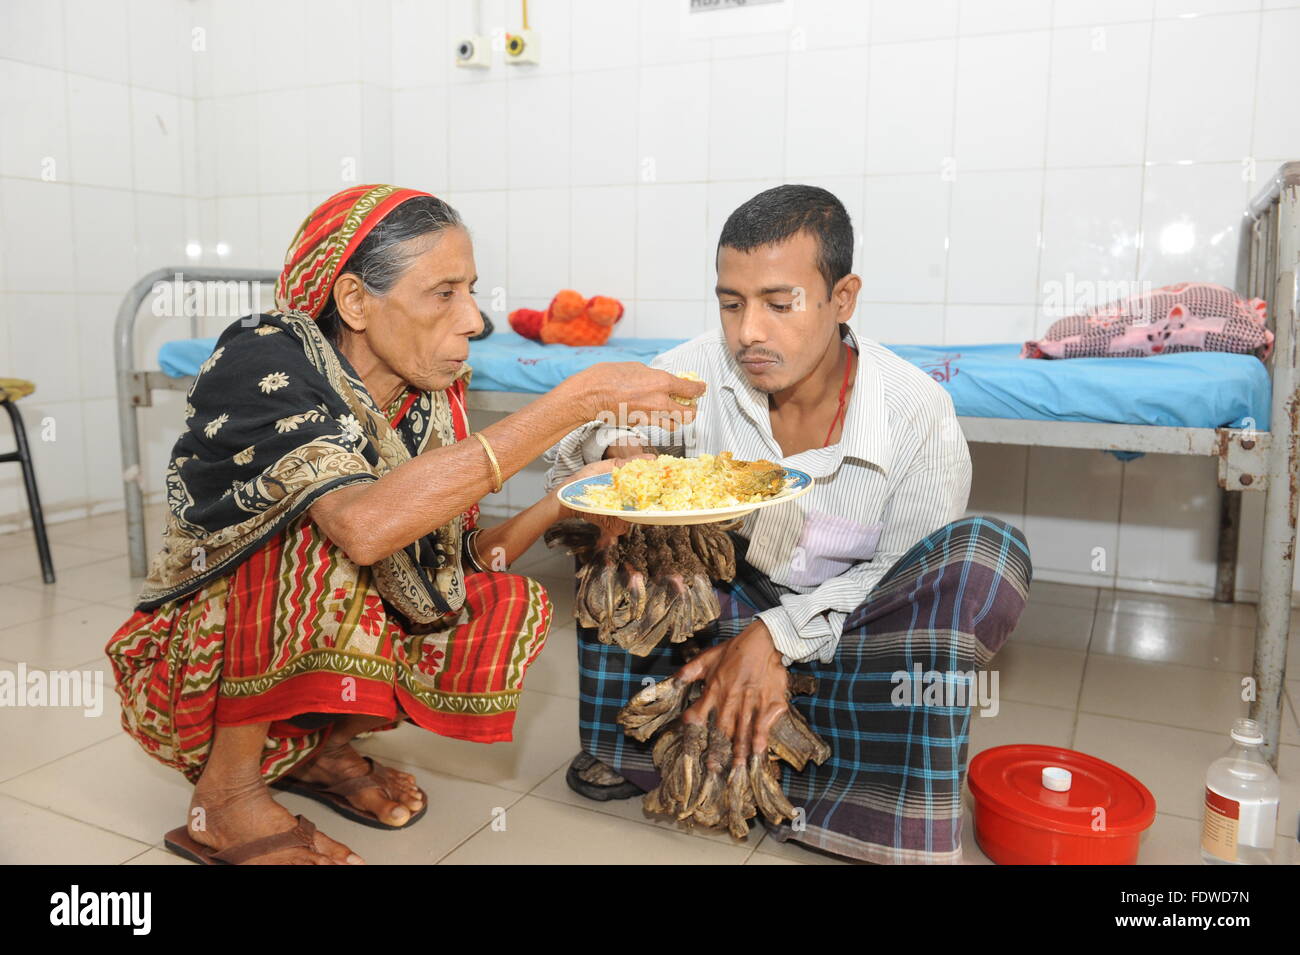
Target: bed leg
[
  {"x": 129, "y": 436},
  {"x": 1277, "y": 564},
  {"x": 1273, "y": 624},
  {"x": 1225, "y": 572}
]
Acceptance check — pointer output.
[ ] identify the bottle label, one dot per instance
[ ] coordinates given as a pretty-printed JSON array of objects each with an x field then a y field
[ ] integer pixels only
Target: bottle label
[{"x": 1219, "y": 830}]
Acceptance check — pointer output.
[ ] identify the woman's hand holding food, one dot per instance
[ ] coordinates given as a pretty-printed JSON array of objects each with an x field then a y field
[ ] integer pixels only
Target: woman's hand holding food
[
  {"x": 620, "y": 388},
  {"x": 745, "y": 686}
]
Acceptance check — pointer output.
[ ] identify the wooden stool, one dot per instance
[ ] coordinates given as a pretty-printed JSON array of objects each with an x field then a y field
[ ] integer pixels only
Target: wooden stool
[{"x": 11, "y": 389}]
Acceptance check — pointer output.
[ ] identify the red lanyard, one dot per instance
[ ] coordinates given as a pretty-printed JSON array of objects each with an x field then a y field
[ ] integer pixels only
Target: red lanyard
[{"x": 844, "y": 390}]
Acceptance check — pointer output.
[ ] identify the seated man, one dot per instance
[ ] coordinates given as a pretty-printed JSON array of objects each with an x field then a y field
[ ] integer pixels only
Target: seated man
[{"x": 872, "y": 572}]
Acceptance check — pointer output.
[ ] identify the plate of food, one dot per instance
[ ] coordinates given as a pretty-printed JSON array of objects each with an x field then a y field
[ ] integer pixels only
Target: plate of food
[{"x": 699, "y": 490}]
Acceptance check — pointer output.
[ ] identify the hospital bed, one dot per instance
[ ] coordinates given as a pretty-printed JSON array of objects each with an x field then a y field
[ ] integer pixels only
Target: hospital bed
[{"x": 1229, "y": 407}]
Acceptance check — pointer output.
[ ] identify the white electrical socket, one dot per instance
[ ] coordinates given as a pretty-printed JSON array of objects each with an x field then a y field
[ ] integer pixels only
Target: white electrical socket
[
  {"x": 522, "y": 47},
  {"x": 474, "y": 52}
]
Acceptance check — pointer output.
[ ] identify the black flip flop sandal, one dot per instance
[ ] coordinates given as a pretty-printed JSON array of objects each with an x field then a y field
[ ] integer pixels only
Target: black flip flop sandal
[{"x": 584, "y": 761}]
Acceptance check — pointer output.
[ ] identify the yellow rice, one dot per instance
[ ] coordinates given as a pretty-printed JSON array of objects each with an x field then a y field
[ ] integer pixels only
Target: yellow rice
[{"x": 668, "y": 484}]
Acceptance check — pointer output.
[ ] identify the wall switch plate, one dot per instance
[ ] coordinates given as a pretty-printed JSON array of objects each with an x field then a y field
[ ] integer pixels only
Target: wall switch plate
[
  {"x": 522, "y": 47},
  {"x": 474, "y": 52}
]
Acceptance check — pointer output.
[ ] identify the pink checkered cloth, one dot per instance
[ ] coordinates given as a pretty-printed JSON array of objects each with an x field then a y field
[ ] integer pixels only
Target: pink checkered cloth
[{"x": 1175, "y": 318}]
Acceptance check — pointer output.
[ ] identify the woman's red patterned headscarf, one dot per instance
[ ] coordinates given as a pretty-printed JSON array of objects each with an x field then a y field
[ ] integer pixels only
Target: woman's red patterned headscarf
[{"x": 327, "y": 238}]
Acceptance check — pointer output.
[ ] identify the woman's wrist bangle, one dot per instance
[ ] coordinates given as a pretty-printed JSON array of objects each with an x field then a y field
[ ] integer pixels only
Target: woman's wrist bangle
[
  {"x": 498, "y": 562},
  {"x": 471, "y": 551},
  {"x": 469, "y": 555},
  {"x": 492, "y": 459}
]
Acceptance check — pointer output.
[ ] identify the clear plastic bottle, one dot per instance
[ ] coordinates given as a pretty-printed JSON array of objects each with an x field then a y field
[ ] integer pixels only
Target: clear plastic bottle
[{"x": 1239, "y": 820}]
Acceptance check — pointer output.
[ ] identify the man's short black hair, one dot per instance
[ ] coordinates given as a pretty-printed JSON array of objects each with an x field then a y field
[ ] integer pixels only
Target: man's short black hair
[{"x": 773, "y": 216}]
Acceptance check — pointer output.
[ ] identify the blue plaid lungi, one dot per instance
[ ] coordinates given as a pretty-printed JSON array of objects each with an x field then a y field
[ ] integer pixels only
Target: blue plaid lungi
[{"x": 891, "y": 790}]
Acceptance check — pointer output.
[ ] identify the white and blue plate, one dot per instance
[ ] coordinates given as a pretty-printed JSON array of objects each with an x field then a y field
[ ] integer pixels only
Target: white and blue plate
[{"x": 797, "y": 483}]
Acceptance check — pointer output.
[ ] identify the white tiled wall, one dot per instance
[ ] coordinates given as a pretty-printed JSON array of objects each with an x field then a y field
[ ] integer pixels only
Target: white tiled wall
[
  {"x": 97, "y": 186},
  {"x": 985, "y": 148},
  {"x": 137, "y": 134}
]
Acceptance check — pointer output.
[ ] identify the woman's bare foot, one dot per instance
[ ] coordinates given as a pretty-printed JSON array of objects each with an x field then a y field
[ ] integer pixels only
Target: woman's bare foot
[
  {"x": 393, "y": 804},
  {"x": 223, "y": 816}
]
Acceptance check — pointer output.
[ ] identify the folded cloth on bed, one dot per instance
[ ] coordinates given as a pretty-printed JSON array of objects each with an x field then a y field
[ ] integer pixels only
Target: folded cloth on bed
[
  {"x": 1191, "y": 316},
  {"x": 1190, "y": 389}
]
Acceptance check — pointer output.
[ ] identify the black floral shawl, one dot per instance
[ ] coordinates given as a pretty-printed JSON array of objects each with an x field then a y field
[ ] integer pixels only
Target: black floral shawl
[{"x": 277, "y": 418}]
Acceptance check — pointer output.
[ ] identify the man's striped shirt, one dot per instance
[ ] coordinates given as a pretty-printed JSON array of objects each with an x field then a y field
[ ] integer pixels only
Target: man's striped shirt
[{"x": 900, "y": 471}]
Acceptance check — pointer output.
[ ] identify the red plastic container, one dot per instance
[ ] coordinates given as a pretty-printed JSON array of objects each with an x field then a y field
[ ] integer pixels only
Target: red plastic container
[{"x": 1098, "y": 820}]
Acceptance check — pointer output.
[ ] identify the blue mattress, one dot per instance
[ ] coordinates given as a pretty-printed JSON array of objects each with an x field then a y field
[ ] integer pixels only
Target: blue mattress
[{"x": 1191, "y": 390}]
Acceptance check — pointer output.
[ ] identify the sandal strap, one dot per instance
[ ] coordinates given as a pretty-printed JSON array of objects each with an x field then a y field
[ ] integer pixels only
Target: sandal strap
[
  {"x": 300, "y": 835},
  {"x": 357, "y": 783}
]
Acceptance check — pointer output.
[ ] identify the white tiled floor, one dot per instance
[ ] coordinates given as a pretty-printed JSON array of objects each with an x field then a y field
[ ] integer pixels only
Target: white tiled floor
[{"x": 1148, "y": 683}]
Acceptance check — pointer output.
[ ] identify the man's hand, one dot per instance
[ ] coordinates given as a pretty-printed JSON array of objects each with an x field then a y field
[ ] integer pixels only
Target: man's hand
[
  {"x": 745, "y": 684},
  {"x": 625, "y": 452}
]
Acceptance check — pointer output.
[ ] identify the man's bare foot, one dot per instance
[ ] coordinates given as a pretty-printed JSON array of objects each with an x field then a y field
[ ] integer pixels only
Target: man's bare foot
[
  {"x": 393, "y": 804},
  {"x": 222, "y": 817}
]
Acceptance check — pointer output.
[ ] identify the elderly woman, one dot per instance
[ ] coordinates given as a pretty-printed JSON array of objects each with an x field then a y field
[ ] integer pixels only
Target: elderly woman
[{"x": 321, "y": 573}]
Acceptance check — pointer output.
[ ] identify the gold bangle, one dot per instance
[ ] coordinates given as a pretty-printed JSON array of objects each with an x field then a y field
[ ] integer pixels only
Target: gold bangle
[{"x": 492, "y": 459}]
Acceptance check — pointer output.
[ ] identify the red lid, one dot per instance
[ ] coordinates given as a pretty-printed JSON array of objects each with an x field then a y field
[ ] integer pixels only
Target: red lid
[{"x": 1010, "y": 779}]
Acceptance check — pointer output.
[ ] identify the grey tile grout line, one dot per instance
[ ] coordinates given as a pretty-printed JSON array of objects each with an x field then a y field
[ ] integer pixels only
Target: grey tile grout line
[
  {"x": 1079, "y": 710},
  {"x": 1171, "y": 726},
  {"x": 1097, "y": 609},
  {"x": 102, "y": 555},
  {"x": 513, "y": 803},
  {"x": 602, "y": 814},
  {"x": 84, "y": 822},
  {"x": 75, "y": 603},
  {"x": 1083, "y": 678},
  {"x": 17, "y": 776},
  {"x": 1190, "y": 666},
  {"x": 70, "y": 610},
  {"x": 26, "y": 584},
  {"x": 138, "y": 855},
  {"x": 644, "y": 821}
]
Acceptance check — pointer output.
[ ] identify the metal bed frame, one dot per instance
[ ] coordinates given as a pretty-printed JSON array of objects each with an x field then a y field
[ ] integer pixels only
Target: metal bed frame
[{"x": 1248, "y": 460}]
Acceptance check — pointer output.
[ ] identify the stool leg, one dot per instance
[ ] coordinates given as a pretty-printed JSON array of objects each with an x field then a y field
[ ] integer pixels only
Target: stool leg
[{"x": 33, "y": 496}]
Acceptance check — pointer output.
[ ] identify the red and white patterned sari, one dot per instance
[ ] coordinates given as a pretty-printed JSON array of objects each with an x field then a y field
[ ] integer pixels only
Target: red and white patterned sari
[{"x": 298, "y": 628}]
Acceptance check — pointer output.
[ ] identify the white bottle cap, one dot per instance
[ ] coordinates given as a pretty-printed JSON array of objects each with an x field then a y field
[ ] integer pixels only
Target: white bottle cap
[{"x": 1056, "y": 779}]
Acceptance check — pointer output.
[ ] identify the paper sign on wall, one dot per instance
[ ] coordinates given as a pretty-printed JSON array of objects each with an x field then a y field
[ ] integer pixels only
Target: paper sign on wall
[{"x": 703, "y": 19}]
